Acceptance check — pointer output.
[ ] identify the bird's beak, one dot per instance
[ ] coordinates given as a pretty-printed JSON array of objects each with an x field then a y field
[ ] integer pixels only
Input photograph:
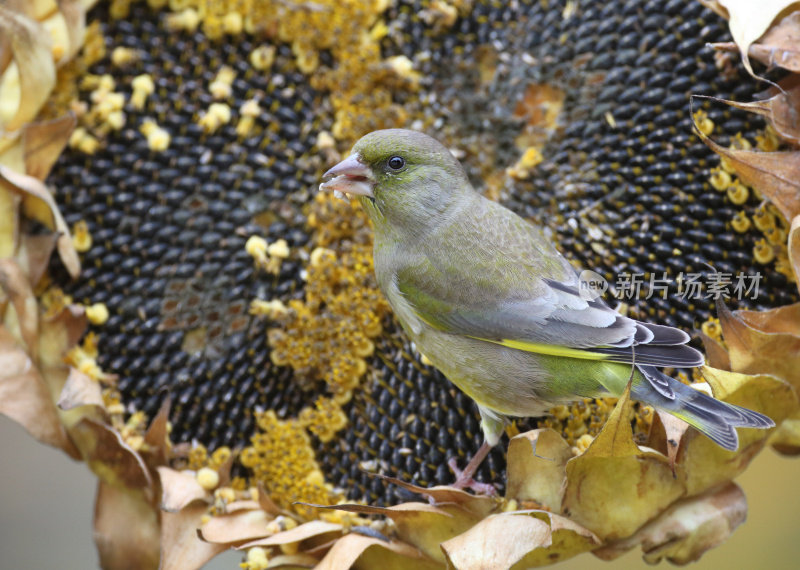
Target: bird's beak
[{"x": 351, "y": 177}]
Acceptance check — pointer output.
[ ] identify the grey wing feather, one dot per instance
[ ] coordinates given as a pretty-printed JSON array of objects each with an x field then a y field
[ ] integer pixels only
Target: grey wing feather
[{"x": 508, "y": 282}]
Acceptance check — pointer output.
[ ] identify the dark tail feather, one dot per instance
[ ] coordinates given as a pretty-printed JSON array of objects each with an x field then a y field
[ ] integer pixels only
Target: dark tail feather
[{"x": 714, "y": 418}]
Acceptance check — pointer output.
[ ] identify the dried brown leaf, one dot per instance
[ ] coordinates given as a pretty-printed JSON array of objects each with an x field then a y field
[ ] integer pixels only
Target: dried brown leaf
[
  {"x": 156, "y": 437},
  {"x": 126, "y": 529},
  {"x": 56, "y": 336},
  {"x": 523, "y": 539},
  {"x": 780, "y": 46},
  {"x": 14, "y": 282},
  {"x": 764, "y": 342},
  {"x": 781, "y": 108},
  {"x": 748, "y": 20},
  {"x": 31, "y": 49},
  {"x": 702, "y": 464},
  {"x": 25, "y": 398},
  {"x": 35, "y": 252},
  {"x": 181, "y": 549},
  {"x": 668, "y": 438},
  {"x": 794, "y": 249},
  {"x": 716, "y": 353},
  {"x": 614, "y": 487},
  {"x": 687, "y": 529},
  {"x": 9, "y": 221},
  {"x": 34, "y": 190},
  {"x": 423, "y": 525},
  {"x": 479, "y": 505},
  {"x": 74, "y": 12},
  {"x": 80, "y": 390},
  {"x": 775, "y": 174},
  {"x": 300, "y": 561},
  {"x": 322, "y": 530},
  {"x": 536, "y": 468},
  {"x": 43, "y": 143},
  {"x": 179, "y": 489},
  {"x": 111, "y": 459},
  {"x": 358, "y": 551},
  {"x": 786, "y": 438},
  {"x": 235, "y": 528}
]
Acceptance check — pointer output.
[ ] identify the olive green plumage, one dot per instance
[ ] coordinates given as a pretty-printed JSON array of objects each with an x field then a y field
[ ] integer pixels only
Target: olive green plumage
[{"x": 491, "y": 302}]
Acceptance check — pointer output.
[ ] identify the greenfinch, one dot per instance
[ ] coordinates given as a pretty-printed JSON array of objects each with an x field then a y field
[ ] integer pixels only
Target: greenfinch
[{"x": 490, "y": 301}]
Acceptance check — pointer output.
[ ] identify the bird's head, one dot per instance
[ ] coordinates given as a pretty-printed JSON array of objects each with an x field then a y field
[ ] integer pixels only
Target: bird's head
[{"x": 403, "y": 178}]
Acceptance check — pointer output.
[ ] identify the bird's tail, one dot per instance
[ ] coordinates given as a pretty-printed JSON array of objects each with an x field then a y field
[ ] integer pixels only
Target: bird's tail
[{"x": 714, "y": 418}]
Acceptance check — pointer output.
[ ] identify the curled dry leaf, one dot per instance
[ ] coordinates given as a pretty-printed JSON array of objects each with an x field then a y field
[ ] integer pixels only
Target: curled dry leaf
[
  {"x": 522, "y": 539},
  {"x": 786, "y": 439},
  {"x": 716, "y": 353},
  {"x": 780, "y": 46},
  {"x": 156, "y": 437},
  {"x": 478, "y": 505},
  {"x": 80, "y": 390},
  {"x": 536, "y": 468},
  {"x": 775, "y": 174},
  {"x": 34, "y": 254},
  {"x": 615, "y": 486},
  {"x": 181, "y": 549},
  {"x": 320, "y": 531},
  {"x": 235, "y": 528},
  {"x": 423, "y": 525},
  {"x": 179, "y": 489},
  {"x": 299, "y": 561},
  {"x": 31, "y": 50},
  {"x": 764, "y": 342},
  {"x": 358, "y": 551},
  {"x": 16, "y": 286},
  {"x": 74, "y": 13},
  {"x": 43, "y": 142},
  {"x": 25, "y": 397},
  {"x": 702, "y": 464},
  {"x": 9, "y": 221},
  {"x": 666, "y": 435},
  {"x": 43, "y": 206},
  {"x": 126, "y": 529},
  {"x": 794, "y": 249},
  {"x": 687, "y": 529},
  {"x": 781, "y": 108},
  {"x": 748, "y": 20},
  {"x": 111, "y": 459}
]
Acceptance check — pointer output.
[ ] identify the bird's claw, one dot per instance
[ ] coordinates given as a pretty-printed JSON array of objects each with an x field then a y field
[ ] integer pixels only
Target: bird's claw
[{"x": 465, "y": 481}]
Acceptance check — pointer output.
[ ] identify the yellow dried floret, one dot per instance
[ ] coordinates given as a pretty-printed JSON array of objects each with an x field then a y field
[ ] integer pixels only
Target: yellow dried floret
[
  {"x": 703, "y": 123},
  {"x": 186, "y": 20},
  {"x": 218, "y": 114},
  {"x": 740, "y": 222},
  {"x": 719, "y": 179},
  {"x": 763, "y": 252},
  {"x": 274, "y": 309},
  {"x": 257, "y": 559},
  {"x": 97, "y": 313},
  {"x": 122, "y": 56},
  {"x": 738, "y": 193},
  {"x": 208, "y": 478},
  {"x": 81, "y": 238},
  {"x": 143, "y": 87},
  {"x": 262, "y": 57}
]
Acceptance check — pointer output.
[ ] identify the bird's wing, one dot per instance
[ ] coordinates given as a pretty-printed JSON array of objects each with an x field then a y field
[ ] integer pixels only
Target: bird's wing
[{"x": 503, "y": 282}]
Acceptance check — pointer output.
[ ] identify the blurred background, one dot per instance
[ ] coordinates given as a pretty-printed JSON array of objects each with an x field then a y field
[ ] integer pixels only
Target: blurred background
[{"x": 47, "y": 501}]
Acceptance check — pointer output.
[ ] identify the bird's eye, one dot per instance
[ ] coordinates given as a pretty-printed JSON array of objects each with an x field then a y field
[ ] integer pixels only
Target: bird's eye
[{"x": 396, "y": 162}]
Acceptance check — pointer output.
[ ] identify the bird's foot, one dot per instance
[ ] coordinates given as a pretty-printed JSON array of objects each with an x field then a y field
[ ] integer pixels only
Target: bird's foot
[{"x": 464, "y": 480}]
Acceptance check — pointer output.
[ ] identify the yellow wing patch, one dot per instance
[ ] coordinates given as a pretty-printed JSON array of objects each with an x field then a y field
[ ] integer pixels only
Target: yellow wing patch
[{"x": 553, "y": 350}]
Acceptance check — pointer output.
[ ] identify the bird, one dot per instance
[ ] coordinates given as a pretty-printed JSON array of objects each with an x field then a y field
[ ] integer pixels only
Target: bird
[{"x": 492, "y": 303}]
